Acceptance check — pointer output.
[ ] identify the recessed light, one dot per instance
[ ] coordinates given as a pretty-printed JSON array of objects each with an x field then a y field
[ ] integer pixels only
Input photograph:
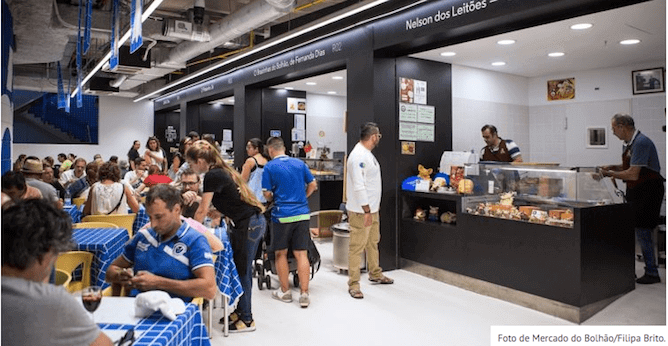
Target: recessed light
[
  {"x": 337, "y": 77},
  {"x": 289, "y": 88},
  {"x": 556, "y": 54},
  {"x": 332, "y": 92},
  {"x": 448, "y": 54},
  {"x": 498, "y": 63},
  {"x": 581, "y": 26},
  {"x": 505, "y": 42},
  {"x": 311, "y": 83},
  {"x": 631, "y": 41}
]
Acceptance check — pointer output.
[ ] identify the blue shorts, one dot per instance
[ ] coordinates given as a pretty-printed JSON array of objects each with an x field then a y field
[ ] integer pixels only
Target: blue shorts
[{"x": 293, "y": 235}]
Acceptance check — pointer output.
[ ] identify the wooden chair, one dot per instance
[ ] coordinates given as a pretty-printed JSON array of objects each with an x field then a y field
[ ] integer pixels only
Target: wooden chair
[
  {"x": 63, "y": 278},
  {"x": 324, "y": 220},
  {"x": 70, "y": 261},
  {"x": 79, "y": 201},
  {"x": 94, "y": 225},
  {"x": 120, "y": 220}
]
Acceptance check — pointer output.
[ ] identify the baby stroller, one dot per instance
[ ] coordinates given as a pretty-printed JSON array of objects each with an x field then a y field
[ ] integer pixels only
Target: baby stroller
[{"x": 265, "y": 260}]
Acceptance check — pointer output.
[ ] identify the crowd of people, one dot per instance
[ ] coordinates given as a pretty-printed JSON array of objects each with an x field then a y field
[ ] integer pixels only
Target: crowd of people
[{"x": 184, "y": 195}]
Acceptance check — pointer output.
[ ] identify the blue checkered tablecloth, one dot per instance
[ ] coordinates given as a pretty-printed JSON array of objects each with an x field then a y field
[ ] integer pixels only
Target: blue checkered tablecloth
[
  {"x": 74, "y": 212},
  {"x": 106, "y": 244},
  {"x": 141, "y": 219},
  {"x": 227, "y": 276},
  {"x": 187, "y": 330}
]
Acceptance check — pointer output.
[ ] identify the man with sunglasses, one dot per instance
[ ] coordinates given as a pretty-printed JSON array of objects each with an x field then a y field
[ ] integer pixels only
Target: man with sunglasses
[{"x": 363, "y": 192}]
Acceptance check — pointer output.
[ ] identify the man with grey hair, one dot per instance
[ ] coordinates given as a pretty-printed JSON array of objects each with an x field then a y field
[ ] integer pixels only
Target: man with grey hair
[
  {"x": 640, "y": 170},
  {"x": 77, "y": 172},
  {"x": 32, "y": 170},
  {"x": 35, "y": 312}
]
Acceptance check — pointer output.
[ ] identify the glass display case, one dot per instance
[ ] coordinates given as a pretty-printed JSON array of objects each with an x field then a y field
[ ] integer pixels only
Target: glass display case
[
  {"x": 325, "y": 169},
  {"x": 539, "y": 194}
]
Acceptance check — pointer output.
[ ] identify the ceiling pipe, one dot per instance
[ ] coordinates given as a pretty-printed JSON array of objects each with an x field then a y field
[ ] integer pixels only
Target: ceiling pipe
[
  {"x": 115, "y": 83},
  {"x": 244, "y": 20}
]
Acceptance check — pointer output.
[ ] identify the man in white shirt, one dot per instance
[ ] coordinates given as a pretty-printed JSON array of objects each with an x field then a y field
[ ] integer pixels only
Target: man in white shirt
[
  {"x": 136, "y": 177},
  {"x": 72, "y": 175},
  {"x": 363, "y": 192}
]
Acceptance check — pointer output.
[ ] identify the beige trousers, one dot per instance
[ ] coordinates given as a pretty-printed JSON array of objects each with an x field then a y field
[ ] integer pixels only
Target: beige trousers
[{"x": 363, "y": 238}]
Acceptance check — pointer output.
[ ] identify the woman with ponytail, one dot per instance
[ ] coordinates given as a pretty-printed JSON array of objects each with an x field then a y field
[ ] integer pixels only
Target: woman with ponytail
[{"x": 229, "y": 193}]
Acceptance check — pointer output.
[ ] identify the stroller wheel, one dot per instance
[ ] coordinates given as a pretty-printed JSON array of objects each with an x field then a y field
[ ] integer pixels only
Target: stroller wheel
[
  {"x": 295, "y": 279},
  {"x": 259, "y": 281},
  {"x": 267, "y": 280},
  {"x": 258, "y": 270}
]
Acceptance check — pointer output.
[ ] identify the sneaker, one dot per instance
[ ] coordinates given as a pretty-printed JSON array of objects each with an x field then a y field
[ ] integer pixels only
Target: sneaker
[
  {"x": 648, "y": 279},
  {"x": 242, "y": 326},
  {"x": 304, "y": 300},
  {"x": 282, "y": 296},
  {"x": 233, "y": 318}
]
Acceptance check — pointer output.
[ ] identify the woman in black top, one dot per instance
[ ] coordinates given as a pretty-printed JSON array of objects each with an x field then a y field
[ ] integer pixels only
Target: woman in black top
[{"x": 229, "y": 193}]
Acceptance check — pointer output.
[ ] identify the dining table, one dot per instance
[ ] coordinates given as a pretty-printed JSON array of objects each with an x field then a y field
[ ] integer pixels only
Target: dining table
[
  {"x": 106, "y": 244},
  {"x": 74, "y": 212},
  {"x": 116, "y": 316}
]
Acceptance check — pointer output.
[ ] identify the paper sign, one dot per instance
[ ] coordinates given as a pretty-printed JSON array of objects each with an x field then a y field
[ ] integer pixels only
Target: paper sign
[
  {"x": 422, "y": 185},
  {"x": 408, "y": 131},
  {"x": 420, "y": 92},
  {"x": 425, "y": 114},
  {"x": 425, "y": 133},
  {"x": 408, "y": 112}
]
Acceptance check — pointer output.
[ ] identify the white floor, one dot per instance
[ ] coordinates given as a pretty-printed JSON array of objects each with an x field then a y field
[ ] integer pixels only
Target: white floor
[{"x": 415, "y": 310}]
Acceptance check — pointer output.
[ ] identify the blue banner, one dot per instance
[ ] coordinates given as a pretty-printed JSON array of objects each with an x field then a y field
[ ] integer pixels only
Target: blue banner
[
  {"x": 89, "y": 22},
  {"x": 69, "y": 88},
  {"x": 135, "y": 25},
  {"x": 115, "y": 24},
  {"x": 61, "y": 90},
  {"x": 79, "y": 72}
]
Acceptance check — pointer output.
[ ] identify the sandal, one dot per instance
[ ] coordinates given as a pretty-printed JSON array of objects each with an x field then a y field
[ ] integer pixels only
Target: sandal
[
  {"x": 382, "y": 280},
  {"x": 355, "y": 293}
]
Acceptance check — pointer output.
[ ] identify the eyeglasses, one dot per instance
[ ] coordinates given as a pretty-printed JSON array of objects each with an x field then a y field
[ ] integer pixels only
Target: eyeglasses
[
  {"x": 379, "y": 135},
  {"x": 186, "y": 183}
]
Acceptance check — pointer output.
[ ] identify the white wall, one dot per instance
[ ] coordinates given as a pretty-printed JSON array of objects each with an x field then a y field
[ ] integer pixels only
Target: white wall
[
  {"x": 326, "y": 114},
  {"x": 482, "y": 97},
  {"x": 558, "y": 128},
  {"x": 121, "y": 122}
]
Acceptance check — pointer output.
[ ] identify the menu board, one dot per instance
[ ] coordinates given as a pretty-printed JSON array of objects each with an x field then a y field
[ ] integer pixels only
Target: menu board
[
  {"x": 425, "y": 133},
  {"x": 408, "y": 112},
  {"x": 408, "y": 131},
  {"x": 425, "y": 114}
]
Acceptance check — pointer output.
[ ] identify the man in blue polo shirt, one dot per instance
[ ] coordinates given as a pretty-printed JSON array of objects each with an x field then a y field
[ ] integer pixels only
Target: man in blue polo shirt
[
  {"x": 170, "y": 256},
  {"x": 288, "y": 181}
]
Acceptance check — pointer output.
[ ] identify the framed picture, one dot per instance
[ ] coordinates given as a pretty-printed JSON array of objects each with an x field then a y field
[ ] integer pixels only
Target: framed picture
[
  {"x": 648, "y": 81},
  {"x": 561, "y": 89}
]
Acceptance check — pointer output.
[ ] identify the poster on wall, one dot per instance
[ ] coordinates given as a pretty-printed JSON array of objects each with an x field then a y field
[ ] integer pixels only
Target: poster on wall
[
  {"x": 420, "y": 92},
  {"x": 298, "y": 135},
  {"x": 425, "y": 133},
  {"x": 561, "y": 89},
  {"x": 300, "y": 121},
  {"x": 412, "y": 91},
  {"x": 407, "y": 148},
  {"x": 296, "y": 105}
]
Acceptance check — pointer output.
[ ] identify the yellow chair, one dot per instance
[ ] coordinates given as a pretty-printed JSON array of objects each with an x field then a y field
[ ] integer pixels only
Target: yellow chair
[
  {"x": 63, "y": 278},
  {"x": 324, "y": 220},
  {"x": 79, "y": 201},
  {"x": 120, "y": 220},
  {"x": 94, "y": 225},
  {"x": 70, "y": 261}
]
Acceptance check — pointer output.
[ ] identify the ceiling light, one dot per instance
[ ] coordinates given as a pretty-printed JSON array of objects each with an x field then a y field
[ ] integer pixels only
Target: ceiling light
[
  {"x": 498, "y": 63},
  {"x": 332, "y": 92},
  {"x": 289, "y": 88},
  {"x": 337, "y": 77},
  {"x": 506, "y": 42},
  {"x": 149, "y": 10},
  {"x": 581, "y": 26},
  {"x": 556, "y": 54},
  {"x": 263, "y": 47},
  {"x": 448, "y": 54},
  {"x": 628, "y": 42},
  {"x": 311, "y": 83}
]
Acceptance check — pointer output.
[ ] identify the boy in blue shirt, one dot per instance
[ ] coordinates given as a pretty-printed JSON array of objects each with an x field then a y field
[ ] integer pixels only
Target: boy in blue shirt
[{"x": 289, "y": 182}]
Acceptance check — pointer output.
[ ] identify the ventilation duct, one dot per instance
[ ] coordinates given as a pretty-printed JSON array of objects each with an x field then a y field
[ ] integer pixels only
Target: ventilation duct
[{"x": 185, "y": 30}]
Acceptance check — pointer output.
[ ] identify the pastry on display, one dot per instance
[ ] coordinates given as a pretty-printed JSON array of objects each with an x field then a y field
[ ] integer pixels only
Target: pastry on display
[{"x": 505, "y": 210}]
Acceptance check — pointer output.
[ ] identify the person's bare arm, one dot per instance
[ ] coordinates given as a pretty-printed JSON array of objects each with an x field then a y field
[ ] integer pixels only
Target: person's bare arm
[
  {"x": 203, "y": 208},
  {"x": 203, "y": 285},
  {"x": 89, "y": 201},
  {"x": 632, "y": 173},
  {"x": 311, "y": 187},
  {"x": 268, "y": 195},
  {"x": 102, "y": 340},
  {"x": 518, "y": 158},
  {"x": 132, "y": 201},
  {"x": 246, "y": 169}
]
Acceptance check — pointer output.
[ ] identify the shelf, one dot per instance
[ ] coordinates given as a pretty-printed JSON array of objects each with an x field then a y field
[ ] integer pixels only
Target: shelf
[
  {"x": 430, "y": 224},
  {"x": 434, "y": 195}
]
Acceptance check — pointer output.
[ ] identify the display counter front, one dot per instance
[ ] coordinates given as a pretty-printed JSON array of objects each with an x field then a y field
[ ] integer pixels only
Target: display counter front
[
  {"x": 329, "y": 174},
  {"x": 555, "y": 248}
]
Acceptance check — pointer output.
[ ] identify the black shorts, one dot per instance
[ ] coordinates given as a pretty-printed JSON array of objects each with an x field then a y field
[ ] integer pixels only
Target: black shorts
[{"x": 293, "y": 235}]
